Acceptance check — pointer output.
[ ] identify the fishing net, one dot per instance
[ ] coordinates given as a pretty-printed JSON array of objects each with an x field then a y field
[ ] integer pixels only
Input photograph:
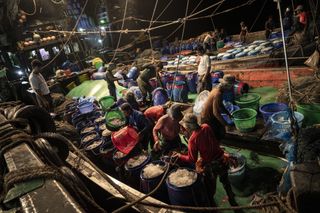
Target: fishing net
[{"x": 305, "y": 90}]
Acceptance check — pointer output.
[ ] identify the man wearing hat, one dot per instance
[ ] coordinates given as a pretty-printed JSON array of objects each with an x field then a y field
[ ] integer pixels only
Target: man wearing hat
[
  {"x": 40, "y": 86},
  {"x": 212, "y": 162},
  {"x": 213, "y": 107},
  {"x": 168, "y": 128}
]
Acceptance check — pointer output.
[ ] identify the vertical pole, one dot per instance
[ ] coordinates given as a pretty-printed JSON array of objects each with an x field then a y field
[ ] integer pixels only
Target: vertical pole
[{"x": 285, "y": 52}]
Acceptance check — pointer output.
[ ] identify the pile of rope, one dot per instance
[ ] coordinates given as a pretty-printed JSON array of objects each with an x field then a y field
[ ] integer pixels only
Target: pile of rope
[{"x": 305, "y": 90}]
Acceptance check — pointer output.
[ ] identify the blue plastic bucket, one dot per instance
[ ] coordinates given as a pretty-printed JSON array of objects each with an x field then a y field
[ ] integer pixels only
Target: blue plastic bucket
[
  {"x": 281, "y": 120},
  {"x": 148, "y": 184},
  {"x": 267, "y": 110},
  {"x": 159, "y": 96},
  {"x": 192, "y": 195},
  {"x": 85, "y": 107},
  {"x": 180, "y": 92},
  {"x": 237, "y": 175},
  {"x": 134, "y": 172},
  {"x": 133, "y": 73},
  {"x": 192, "y": 82}
]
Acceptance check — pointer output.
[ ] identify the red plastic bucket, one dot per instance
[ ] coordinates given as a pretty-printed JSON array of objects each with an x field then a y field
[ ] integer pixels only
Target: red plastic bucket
[{"x": 125, "y": 139}]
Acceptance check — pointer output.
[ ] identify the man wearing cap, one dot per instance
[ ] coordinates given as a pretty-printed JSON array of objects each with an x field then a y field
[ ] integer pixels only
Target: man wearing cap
[
  {"x": 211, "y": 162},
  {"x": 204, "y": 67},
  {"x": 213, "y": 107},
  {"x": 40, "y": 86},
  {"x": 168, "y": 128}
]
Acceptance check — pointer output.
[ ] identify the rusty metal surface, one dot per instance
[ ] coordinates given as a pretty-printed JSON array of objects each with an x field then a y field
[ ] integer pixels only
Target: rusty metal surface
[{"x": 52, "y": 197}]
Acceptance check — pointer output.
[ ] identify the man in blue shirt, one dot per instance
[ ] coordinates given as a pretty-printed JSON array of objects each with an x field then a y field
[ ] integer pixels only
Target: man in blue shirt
[{"x": 137, "y": 120}]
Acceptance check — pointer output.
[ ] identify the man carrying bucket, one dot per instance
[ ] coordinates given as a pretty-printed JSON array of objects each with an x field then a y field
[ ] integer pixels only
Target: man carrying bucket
[
  {"x": 213, "y": 107},
  {"x": 137, "y": 120},
  {"x": 150, "y": 71},
  {"x": 213, "y": 161},
  {"x": 204, "y": 67}
]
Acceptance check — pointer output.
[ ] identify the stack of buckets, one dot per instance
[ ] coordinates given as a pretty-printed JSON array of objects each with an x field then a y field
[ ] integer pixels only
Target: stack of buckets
[{"x": 176, "y": 86}]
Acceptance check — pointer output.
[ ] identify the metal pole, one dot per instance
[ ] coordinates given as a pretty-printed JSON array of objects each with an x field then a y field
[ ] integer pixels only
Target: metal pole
[{"x": 285, "y": 52}]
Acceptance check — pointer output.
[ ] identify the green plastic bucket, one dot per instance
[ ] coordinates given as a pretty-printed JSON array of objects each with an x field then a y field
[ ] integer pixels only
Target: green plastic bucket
[
  {"x": 113, "y": 115},
  {"x": 106, "y": 102},
  {"x": 248, "y": 100},
  {"x": 220, "y": 44},
  {"x": 311, "y": 113},
  {"x": 245, "y": 119}
]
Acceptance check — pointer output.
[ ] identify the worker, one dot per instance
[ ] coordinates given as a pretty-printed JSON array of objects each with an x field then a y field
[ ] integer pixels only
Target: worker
[
  {"x": 211, "y": 162},
  {"x": 269, "y": 26},
  {"x": 301, "y": 19},
  {"x": 287, "y": 20},
  {"x": 150, "y": 71},
  {"x": 137, "y": 120},
  {"x": 213, "y": 107},
  {"x": 128, "y": 98},
  {"x": 40, "y": 86},
  {"x": 168, "y": 128},
  {"x": 204, "y": 67},
  {"x": 207, "y": 42},
  {"x": 110, "y": 79},
  {"x": 243, "y": 32}
]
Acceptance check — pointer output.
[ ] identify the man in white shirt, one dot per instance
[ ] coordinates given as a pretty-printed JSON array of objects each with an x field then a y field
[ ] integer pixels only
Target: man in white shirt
[
  {"x": 204, "y": 67},
  {"x": 40, "y": 86}
]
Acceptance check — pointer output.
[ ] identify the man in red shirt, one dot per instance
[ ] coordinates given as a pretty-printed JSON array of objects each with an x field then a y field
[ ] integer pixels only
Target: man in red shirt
[
  {"x": 154, "y": 113},
  {"x": 169, "y": 128},
  {"x": 213, "y": 161},
  {"x": 302, "y": 19}
]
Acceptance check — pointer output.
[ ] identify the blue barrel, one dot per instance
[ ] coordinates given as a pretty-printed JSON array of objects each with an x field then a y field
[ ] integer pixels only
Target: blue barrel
[
  {"x": 133, "y": 73},
  {"x": 134, "y": 173},
  {"x": 165, "y": 78},
  {"x": 180, "y": 92},
  {"x": 148, "y": 184},
  {"x": 169, "y": 88},
  {"x": 193, "y": 195},
  {"x": 98, "y": 76},
  {"x": 159, "y": 96},
  {"x": 267, "y": 110},
  {"x": 192, "y": 82},
  {"x": 179, "y": 77}
]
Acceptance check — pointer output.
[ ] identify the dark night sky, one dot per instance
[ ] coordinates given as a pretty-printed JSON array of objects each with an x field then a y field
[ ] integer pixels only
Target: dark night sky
[{"x": 230, "y": 21}]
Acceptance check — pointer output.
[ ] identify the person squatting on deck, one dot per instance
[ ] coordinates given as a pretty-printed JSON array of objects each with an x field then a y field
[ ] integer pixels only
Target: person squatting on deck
[
  {"x": 150, "y": 71},
  {"x": 137, "y": 120},
  {"x": 212, "y": 162},
  {"x": 167, "y": 129},
  {"x": 204, "y": 68},
  {"x": 40, "y": 86},
  {"x": 213, "y": 107}
]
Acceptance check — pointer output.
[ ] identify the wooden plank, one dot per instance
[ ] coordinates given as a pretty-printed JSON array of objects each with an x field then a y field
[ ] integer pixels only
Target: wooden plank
[{"x": 88, "y": 171}]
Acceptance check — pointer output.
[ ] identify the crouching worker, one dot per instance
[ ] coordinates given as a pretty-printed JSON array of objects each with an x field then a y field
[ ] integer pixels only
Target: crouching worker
[
  {"x": 212, "y": 162},
  {"x": 168, "y": 128},
  {"x": 137, "y": 120}
]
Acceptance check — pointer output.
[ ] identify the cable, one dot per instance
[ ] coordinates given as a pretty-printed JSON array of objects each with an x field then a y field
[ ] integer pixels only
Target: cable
[
  {"x": 149, "y": 34},
  {"x": 264, "y": 4},
  {"x": 34, "y": 10},
  {"x": 122, "y": 25},
  {"x": 69, "y": 38},
  {"x": 162, "y": 11}
]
